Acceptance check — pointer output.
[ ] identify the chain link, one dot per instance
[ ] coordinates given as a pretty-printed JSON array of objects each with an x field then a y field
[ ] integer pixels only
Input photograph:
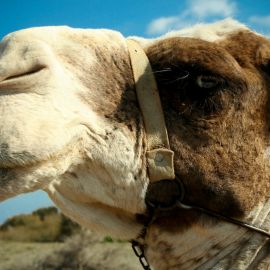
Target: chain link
[
  {"x": 153, "y": 208},
  {"x": 139, "y": 252}
]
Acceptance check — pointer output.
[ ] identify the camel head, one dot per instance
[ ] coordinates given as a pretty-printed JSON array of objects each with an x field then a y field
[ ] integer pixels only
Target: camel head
[{"x": 70, "y": 124}]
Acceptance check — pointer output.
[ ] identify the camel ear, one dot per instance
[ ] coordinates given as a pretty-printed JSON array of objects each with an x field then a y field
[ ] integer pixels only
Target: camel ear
[
  {"x": 266, "y": 66},
  {"x": 263, "y": 57}
]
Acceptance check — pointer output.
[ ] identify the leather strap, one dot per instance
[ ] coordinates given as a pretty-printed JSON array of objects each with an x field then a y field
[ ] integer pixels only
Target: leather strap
[{"x": 159, "y": 156}]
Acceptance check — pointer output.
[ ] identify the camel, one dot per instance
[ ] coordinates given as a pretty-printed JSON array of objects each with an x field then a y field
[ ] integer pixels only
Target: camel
[{"x": 71, "y": 125}]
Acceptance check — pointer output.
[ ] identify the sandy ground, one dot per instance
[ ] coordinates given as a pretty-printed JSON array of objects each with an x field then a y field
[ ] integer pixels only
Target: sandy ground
[
  {"x": 67, "y": 256},
  {"x": 15, "y": 255}
]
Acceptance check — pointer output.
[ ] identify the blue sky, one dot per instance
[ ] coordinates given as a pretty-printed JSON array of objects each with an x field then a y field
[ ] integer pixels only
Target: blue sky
[{"x": 141, "y": 17}]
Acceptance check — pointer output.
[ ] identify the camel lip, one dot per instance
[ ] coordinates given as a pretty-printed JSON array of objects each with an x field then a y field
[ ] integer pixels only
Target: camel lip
[
  {"x": 14, "y": 163},
  {"x": 12, "y": 166}
]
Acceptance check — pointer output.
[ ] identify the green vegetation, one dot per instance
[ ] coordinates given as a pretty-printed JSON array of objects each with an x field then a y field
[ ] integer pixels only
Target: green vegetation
[{"x": 43, "y": 225}]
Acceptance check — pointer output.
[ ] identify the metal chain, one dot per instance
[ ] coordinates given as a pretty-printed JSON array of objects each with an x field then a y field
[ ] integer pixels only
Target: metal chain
[
  {"x": 137, "y": 245},
  {"x": 139, "y": 252},
  {"x": 152, "y": 210}
]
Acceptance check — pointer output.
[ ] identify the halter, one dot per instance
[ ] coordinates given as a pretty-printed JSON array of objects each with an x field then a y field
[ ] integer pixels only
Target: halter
[{"x": 159, "y": 155}]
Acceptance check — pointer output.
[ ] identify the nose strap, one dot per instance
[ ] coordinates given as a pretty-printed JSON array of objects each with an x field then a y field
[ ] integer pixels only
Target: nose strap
[{"x": 159, "y": 156}]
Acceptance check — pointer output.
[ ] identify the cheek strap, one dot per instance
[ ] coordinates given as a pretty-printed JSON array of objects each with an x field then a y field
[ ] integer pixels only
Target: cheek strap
[{"x": 159, "y": 156}]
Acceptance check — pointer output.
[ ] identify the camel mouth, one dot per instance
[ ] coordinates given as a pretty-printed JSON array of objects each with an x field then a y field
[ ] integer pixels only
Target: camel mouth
[
  {"x": 12, "y": 160},
  {"x": 17, "y": 165}
]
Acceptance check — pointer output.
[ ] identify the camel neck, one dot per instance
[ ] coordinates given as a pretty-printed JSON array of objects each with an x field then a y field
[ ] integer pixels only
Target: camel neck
[{"x": 209, "y": 244}]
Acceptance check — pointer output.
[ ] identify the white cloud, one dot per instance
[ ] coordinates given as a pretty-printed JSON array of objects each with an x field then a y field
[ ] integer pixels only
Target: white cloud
[
  {"x": 195, "y": 10},
  {"x": 206, "y": 8},
  {"x": 164, "y": 24},
  {"x": 261, "y": 20}
]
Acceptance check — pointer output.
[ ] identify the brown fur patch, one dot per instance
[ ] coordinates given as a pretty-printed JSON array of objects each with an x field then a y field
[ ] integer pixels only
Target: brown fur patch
[{"x": 220, "y": 134}]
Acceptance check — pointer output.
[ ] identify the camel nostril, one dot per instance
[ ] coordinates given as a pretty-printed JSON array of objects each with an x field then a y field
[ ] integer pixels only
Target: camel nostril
[{"x": 25, "y": 74}]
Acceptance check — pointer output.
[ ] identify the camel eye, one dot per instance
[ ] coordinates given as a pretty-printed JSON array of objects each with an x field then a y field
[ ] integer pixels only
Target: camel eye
[{"x": 207, "y": 82}]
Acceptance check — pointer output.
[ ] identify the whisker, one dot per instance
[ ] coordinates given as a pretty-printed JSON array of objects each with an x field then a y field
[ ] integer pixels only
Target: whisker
[
  {"x": 161, "y": 71},
  {"x": 183, "y": 77},
  {"x": 180, "y": 78}
]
